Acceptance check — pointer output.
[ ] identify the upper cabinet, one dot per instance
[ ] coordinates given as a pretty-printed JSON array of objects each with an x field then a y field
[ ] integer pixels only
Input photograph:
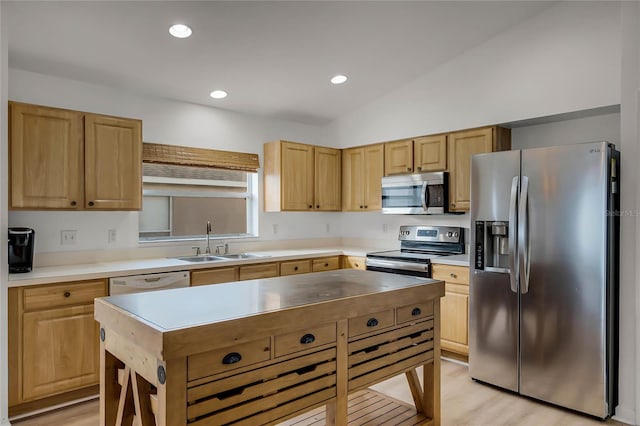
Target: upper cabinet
[
  {"x": 362, "y": 171},
  {"x": 418, "y": 155},
  {"x": 299, "y": 177},
  {"x": 462, "y": 145},
  {"x": 61, "y": 159}
]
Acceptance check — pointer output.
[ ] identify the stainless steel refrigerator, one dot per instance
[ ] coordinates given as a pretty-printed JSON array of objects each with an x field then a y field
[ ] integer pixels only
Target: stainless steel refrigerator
[{"x": 544, "y": 274}]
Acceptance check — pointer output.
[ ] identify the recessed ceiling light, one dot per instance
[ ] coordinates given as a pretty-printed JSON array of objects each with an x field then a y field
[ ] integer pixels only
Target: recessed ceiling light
[
  {"x": 338, "y": 79},
  {"x": 218, "y": 94},
  {"x": 180, "y": 31}
]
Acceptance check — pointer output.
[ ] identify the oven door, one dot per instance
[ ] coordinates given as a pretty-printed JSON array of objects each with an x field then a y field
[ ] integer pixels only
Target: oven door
[
  {"x": 397, "y": 267},
  {"x": 415, "y": 194}
]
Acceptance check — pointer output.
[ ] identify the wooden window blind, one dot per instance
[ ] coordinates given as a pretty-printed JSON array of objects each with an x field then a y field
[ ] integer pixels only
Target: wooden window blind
[{"x": 199, "y": 157}]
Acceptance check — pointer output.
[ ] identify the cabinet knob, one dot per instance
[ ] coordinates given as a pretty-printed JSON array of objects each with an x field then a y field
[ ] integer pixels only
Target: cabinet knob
[
  {"x": 317, "y": 206},
  {"x": 360, "y": 206},
  {"x": 453, "y": 205},
  {"x": 91, "y": 203},
  {"x": 67, "y": 294},
  {"x": 307, "y": 338},
  {"x": 356, "y": 265},
  {"x": 232, "y": 358},
  {"x": 419, "y": 168},
  {"x": 310, "y": 206},
  {"x": 452, "y": 275},
  {"x": 366, "y": 207},
  {"x": 295, "y": 268},
  {"x": 372, "y": 322},
  {"x": 415, "y": 312},
  {"x": 408, "y": 169},
  {"x": 73, "y": 203},
  {"x": 326, "y": 265}
]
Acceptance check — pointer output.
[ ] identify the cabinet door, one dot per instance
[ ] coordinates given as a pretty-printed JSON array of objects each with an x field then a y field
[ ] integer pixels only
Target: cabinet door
[
  {"x": 113, "y": 163},
  {"x": 297, "y": 176},
  {"x": 327, "y": 178},
  {"x": 353, "y": 179},
  {"x": 398, "y": 157},
  {"x": 214, "y": 276},
  {"x": 353, "y": 262},
  {"x": 462, "y": 145},
  {"x": 454, "y": 308},
  {"x": 46, "y": 154},
  {"x": 373, "y": 172},
  {"x": 261, "y": 270},
  {"x": 430, "y": 154},
  {"x": 60, "y": 351}
]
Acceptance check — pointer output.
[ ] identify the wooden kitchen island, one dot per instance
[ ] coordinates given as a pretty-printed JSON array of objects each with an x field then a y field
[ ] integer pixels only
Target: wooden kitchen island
[{"x": 262, "y": 351}]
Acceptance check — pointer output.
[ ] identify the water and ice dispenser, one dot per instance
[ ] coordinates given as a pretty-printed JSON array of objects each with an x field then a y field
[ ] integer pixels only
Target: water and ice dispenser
[{"x": 492, "y": 244}]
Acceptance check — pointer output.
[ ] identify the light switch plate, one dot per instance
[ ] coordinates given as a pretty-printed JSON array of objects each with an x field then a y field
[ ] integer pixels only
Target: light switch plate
[{"x": 68, "y": 237}]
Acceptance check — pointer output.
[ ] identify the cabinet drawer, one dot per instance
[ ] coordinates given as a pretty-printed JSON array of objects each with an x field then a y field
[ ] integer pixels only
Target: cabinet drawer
[
  {"x": 263, "y": 270},
  {"x": 326, "y": 264},
  {"x": 295, "y": 267},
  {"x": 66, "y": 294},
  {"x": 371, "y": 322},
  {"x": 304, "y": 339},
  {"x": 214, "y": 276},
  {"x": 229, "y": 358},
  {"x": 414, "y": 312},
  {"x": 451, "y": 273}
]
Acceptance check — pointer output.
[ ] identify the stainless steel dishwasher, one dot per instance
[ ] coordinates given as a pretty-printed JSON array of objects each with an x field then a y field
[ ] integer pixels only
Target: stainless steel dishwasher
[{"x": 148, "y": 282}]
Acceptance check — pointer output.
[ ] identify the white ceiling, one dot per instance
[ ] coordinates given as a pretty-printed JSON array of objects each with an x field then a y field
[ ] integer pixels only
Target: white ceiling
[{"x": 273, "y": 58}]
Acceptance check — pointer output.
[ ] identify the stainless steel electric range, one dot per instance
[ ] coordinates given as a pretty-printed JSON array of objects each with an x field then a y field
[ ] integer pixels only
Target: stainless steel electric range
[{"x": 418, "y": 245}]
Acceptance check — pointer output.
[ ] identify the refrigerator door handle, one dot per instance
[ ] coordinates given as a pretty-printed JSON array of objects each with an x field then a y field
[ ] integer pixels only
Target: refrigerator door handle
[
  {"x": 425, "y": 201},
  {"x": 523, "y": 235},
  {"x": 513, "y": 261}
]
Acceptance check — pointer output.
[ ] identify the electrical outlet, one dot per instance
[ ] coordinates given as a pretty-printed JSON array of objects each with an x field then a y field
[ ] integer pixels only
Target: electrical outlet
[
  {"x": 112, "y": 236},
  {"x": 68, "y": 237}
]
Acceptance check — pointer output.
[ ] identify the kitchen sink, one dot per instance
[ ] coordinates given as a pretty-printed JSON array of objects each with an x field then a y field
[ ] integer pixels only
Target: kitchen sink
[
  {"x": 201, "y": 258},
  {"x": 241, "y": 256}
]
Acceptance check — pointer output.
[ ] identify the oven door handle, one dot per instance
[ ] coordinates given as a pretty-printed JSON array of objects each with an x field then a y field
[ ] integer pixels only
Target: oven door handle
[
  {"x": 425, "y": 197},
  {"x": 405, "y": 266}
]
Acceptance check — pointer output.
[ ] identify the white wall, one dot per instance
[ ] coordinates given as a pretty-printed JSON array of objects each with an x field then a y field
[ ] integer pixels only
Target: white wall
[
  {"x": 4, "y": 413},
  {"x": 565, "y": 59},
  {"x": 164, "y": 121}
]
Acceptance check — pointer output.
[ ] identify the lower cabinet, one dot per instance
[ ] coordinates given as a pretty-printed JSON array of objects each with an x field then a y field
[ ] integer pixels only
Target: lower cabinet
[
  {"x": 353, "y": 262},
  {"x": 325, "y": 264},
  {"x": 454, "y": 308},
  {"x": 53, "y": 342}
]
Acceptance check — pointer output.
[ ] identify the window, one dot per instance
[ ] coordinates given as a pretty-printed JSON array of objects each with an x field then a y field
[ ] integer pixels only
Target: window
[{"x": 177, "y": 202}]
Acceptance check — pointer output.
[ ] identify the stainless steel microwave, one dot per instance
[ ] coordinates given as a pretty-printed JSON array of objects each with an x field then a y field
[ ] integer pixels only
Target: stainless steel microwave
[{"x": 424, "y": 193}]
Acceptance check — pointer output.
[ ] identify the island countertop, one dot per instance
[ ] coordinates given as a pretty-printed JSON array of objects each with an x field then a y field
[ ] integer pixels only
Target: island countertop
[{"x": 189, "y": 307}]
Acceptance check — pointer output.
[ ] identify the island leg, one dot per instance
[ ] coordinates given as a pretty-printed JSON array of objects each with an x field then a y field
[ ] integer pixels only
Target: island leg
[
  {"x": 109, "y": 388},
  {"x": 337, "y": 411},
  {"x": 431, "y": 373},
  {"x": 172, "y": 393}
]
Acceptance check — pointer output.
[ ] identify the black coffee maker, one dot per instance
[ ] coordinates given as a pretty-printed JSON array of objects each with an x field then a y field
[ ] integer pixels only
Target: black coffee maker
[{"x": 21, "y": 243}]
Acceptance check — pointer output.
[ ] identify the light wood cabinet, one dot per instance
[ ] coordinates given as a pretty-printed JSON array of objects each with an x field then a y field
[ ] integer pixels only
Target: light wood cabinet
[
  {"x": 454, "y": 308},
  {"x": 53, "y": 346},
  {"x": 325, "y": 264},
  {"x": 353, "y": 262},
  {"x": 300, "y": 177},
  {"x": 430, "y": 154},
  {"x": 461, "y": 146},
  {"x": 260, "y": 270},
  {"x": 362, "y": 171},
  {"x": 215, "y": 275},
  {"x": 418, "y": 155},
  {"x": 295, "y": 267},
  {"x": 61, "y": 159}
]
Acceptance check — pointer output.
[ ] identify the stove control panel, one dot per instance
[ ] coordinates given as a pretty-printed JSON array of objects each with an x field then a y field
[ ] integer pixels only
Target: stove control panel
[{"x": 437, "y": 234}]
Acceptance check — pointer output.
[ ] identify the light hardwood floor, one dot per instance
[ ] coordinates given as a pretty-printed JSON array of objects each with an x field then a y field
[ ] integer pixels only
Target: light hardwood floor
[{"x": 464, "y": 402}]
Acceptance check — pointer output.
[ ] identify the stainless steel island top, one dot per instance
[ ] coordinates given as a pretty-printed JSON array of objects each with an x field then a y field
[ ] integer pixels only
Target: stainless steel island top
[{"x": 189, "y": 307}]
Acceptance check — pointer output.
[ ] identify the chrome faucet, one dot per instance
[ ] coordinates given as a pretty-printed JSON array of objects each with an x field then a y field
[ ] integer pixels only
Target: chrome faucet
[
  {"x": 222, "y": 248},
  {"x": 207, "y": 250}
]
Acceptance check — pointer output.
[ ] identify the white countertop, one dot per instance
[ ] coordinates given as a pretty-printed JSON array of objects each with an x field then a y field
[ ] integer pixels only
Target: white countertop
[
  {"x": 457, "y": 260},
  {"x": 88, "y": 271}
]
